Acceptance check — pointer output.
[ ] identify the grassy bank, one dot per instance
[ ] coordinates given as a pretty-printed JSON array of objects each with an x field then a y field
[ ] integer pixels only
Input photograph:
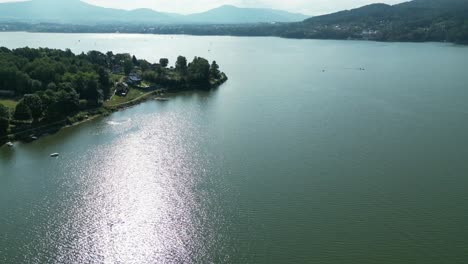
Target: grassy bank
[
  {"x": 21, "y": 130},
  {"x": 118, "y": 100},
  {"x": 24, "y": 130},
  {"x": 10, "y": 103}
]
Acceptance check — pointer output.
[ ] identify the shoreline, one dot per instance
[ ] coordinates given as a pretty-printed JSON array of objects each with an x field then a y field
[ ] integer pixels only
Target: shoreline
[
  {"x": 47, "y": 129},
  {"x": 52, "y": 128},
  {"x": 240, "y": 36},
  {"x": 142, "y": 99}
]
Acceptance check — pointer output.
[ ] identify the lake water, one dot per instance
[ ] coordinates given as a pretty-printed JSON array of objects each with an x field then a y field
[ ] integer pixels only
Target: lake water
[{"x": 301, "y": 157}]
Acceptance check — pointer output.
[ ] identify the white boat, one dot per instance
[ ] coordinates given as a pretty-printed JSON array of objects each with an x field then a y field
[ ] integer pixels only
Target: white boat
[
  {"x": 53, "y": 155},
  {"x": 9, "y": 144}
]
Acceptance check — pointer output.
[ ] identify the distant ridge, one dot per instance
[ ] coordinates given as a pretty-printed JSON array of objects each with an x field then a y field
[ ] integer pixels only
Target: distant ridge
[
  {"x": 417, "y": 21},
  {"x": 421, "y": 10},
  {"x": 78, "y": 12},
  {"x": 235, "y": 15}
]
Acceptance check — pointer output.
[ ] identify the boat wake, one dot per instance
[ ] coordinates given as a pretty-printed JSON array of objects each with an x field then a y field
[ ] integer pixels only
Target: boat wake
[{"x": 118, "y": 122}]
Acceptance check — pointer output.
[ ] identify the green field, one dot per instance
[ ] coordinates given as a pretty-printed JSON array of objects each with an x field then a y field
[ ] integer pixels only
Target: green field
[
  {"x": 117, "y": 100},
  {"x": 114, "y": 101},
  {"x": 116, "y": 77},
  {"x": 11, "y": 104}
]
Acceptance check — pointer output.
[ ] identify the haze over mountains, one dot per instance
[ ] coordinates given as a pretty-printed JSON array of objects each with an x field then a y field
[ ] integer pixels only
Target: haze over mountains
[
  {"x": 417, "y": 20},
  {"x": 77, "y": 12}
]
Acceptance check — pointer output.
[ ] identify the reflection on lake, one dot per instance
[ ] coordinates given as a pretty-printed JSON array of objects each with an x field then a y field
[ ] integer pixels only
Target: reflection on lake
[{"x": 300, "y": 157}]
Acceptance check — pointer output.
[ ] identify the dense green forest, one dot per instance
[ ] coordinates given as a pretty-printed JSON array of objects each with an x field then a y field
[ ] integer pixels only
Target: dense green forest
[
  {"x": 418, "y": 20},
  {"x": 41, "y": 86}
]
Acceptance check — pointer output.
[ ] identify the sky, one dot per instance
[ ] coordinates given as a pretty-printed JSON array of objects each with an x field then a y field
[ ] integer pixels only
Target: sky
[{"x": 308, "y": 7}]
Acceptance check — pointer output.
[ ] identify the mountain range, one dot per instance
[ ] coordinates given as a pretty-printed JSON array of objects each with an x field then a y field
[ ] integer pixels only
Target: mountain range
[
  {"x": 416, "y": 21},
  {"x": 78, "y": 12}
]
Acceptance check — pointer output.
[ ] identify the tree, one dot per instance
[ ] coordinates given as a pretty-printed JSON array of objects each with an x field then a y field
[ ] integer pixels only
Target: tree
[
  {"x": 23, "y": 83},
  {"x": 8, "y": 74},
  {"x": 87, "y": 84},
  {"x": 4, "y": 120},
  {"x": 135, "y": 61},
  {"x": 22, "y": 111},
  {"x": 128, "y": 66},
  {"x": 104, "y": 81},
  {"x": 68, "y": 53},
  {"x": 110, "y": 58},
  {"x": 36, "y": 85},
  {"x": 181, "y": 65},
  {"x": 5, "y": 50},
  {"x": 122, "y": 57},
  {"x": 214, "y": 70},
  {"x": 144, "y": 65},
  {"x": 199, "y": 71},
  {"x": 97, "y": 57},
  {"x": 44, "y": 69},
  {"x": 52, "y": 86},
  {"x": 149, "y": 76},
  {"x": 65, "y": 103},
  {"x": 29, "y": 53},
  {"x": 164, "y": 62},
  {"x": 69, "y": 100},
  {"x": 34, "y": 103},
  {"x": 47, "y": 98}
]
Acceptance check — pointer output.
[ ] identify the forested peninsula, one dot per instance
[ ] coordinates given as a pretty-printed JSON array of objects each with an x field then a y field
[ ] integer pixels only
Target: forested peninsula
[{"x": 42, "y": 90}]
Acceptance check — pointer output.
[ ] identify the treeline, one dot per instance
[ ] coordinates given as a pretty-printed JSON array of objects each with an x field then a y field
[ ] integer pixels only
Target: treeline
[
  {"x": 197, "y": 74},
  {"x": 51, "y": 84}
]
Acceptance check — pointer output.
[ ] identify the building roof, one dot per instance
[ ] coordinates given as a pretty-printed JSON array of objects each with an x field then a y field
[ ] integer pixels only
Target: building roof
[{"x": 134, "y": 78}]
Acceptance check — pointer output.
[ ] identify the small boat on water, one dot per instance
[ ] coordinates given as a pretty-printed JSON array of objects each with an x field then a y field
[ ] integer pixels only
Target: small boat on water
[
  {"x": 33, "y": 137},
  {"x": 53, "y": 155},
  {"x": 9, "y": 144},
  {"x": 161, "y": 99}
]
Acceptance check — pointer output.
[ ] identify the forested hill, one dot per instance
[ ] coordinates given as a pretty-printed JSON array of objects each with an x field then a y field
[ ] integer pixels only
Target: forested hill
[{"x": 418, "y": 20}]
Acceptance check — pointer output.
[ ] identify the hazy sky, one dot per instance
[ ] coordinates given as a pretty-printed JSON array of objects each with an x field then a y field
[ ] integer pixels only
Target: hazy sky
[{"x": 309, "y": 7}]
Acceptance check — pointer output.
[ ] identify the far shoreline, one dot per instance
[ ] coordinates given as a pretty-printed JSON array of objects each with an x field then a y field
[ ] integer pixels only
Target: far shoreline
[{"x": 238, "y": 36}]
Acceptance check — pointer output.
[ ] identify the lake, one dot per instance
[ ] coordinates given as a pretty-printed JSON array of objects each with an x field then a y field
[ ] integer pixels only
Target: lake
[{"x": 314, "y": 151}]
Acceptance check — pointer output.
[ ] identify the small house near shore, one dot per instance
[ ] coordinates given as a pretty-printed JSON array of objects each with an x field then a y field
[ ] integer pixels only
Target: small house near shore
[
  {"x": 133, "y": 79},
  {"x": 121, "y": 89}
]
